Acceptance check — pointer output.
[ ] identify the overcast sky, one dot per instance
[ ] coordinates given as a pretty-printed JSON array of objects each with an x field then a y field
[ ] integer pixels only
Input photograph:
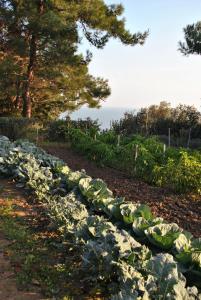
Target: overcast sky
[{"x": 145, "y": 75}]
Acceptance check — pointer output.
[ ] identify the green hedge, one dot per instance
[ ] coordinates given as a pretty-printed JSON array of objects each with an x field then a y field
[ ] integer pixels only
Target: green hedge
[{"x": 15, "y": 128}]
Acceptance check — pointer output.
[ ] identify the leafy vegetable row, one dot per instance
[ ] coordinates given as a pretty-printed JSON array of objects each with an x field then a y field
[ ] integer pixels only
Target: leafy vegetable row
[
  {"x": 109, "y": 254},
  {"x": 140, "y": 221}
]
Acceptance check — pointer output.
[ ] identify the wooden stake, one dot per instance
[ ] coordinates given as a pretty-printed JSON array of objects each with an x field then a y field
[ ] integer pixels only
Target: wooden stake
[
  {"x": 118, "y": 140},
  {"x": 189, "y": 138},
  {"x": 136, "y": 156},
  {"x": 169, "y": 137},
  {"x": 164, "y": 149}
]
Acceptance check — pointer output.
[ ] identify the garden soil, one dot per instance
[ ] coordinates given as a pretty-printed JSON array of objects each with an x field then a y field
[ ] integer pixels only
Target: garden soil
[{"x": 185, "y": 210}]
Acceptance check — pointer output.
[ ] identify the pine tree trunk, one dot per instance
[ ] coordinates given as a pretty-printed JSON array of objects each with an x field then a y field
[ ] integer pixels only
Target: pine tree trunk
[
  {"x": 29, "y": 77},
  {"x": 30, "y": 70},
  {"x": 18, "y": 98}
]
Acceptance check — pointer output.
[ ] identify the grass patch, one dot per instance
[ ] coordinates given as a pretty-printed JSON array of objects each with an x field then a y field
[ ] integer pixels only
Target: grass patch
[{"x": 40, "y": 259}]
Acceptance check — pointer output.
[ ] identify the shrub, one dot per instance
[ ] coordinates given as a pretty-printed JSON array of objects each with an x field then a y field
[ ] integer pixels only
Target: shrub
[
  {"x": 182, "y": 175},
  {"x": 15, "y": 128},
  {"x": 57, "y": 131}
]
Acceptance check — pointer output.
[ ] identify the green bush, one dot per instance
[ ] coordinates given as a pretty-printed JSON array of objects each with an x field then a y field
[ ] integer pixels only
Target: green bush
[
  {"x": 15, "y": 128},
  {"x": 57, "y": 131},
  {"x": 94, "y": 150},
  {"x": 182, "y": 175},
  {"x": 140, "y": 166},
  {"x": 108, "y": 137},
  {"x": 80, "y": 141}
]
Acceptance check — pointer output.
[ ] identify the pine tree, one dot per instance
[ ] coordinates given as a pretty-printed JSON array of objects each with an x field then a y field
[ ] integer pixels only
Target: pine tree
[
  {"x": 192, "y": 44},
  {"x": 40, "y": 65}
]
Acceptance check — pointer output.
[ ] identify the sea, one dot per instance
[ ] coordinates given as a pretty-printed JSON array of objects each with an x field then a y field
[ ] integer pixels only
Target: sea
[{"x": 104, "y": 115}]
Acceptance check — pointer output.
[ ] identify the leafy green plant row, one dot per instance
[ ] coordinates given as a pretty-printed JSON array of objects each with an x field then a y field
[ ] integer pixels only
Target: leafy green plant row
[
  {"x": 110, "y": 255},
  {"x": 140, "y": 222},
  {"x": 144, "y": 158},
  {"x": 138, "y": 217}
]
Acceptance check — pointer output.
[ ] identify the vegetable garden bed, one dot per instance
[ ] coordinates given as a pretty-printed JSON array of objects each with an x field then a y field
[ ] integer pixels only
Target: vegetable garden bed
[
  {"x": 184, "y": 210},
  {"x": 135, "y": 254}
]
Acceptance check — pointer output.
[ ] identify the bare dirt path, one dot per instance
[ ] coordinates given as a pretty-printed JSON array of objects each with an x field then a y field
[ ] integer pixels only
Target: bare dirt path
[
  {"x": 174, "y": 208},
  {"x": 25, "y": 234},
  {"x": 8, "y": 284}
]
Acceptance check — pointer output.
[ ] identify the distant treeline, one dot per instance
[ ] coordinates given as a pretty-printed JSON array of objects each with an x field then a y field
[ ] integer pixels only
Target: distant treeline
[{"x": 182, "y": 124}]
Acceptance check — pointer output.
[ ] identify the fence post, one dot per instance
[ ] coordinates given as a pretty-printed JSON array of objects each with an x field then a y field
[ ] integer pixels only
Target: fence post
[
  {"x": 118, "y": 140},
  {"x": 169, "y": 137},
  {"x": 136, "y": 156},
  {"x": 164, "y": 149},
  {"x": 68, "y": 126},
  {"x": 189, "y": 138},
  {"x": 147, "y": 121}
]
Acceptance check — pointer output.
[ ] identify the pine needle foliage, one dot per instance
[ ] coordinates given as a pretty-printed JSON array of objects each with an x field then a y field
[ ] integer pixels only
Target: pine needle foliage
[{"x": 41, "y": 69}]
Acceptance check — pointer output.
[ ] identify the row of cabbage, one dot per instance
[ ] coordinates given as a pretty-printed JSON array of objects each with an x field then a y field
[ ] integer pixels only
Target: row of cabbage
[
  {"x": 145, "y": 158},
  {"x": 110, "y": 254}
]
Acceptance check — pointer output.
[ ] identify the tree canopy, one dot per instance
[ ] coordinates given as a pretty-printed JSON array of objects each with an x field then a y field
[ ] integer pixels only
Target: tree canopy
[
  {"x": 41, "y": 70},
  {"x": 192, "y": 35},
  {"x": 157, "y": 119}
]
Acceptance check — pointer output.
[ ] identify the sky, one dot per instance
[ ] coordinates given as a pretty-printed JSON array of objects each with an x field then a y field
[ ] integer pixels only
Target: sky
[{"x": 143, "y": 75}]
